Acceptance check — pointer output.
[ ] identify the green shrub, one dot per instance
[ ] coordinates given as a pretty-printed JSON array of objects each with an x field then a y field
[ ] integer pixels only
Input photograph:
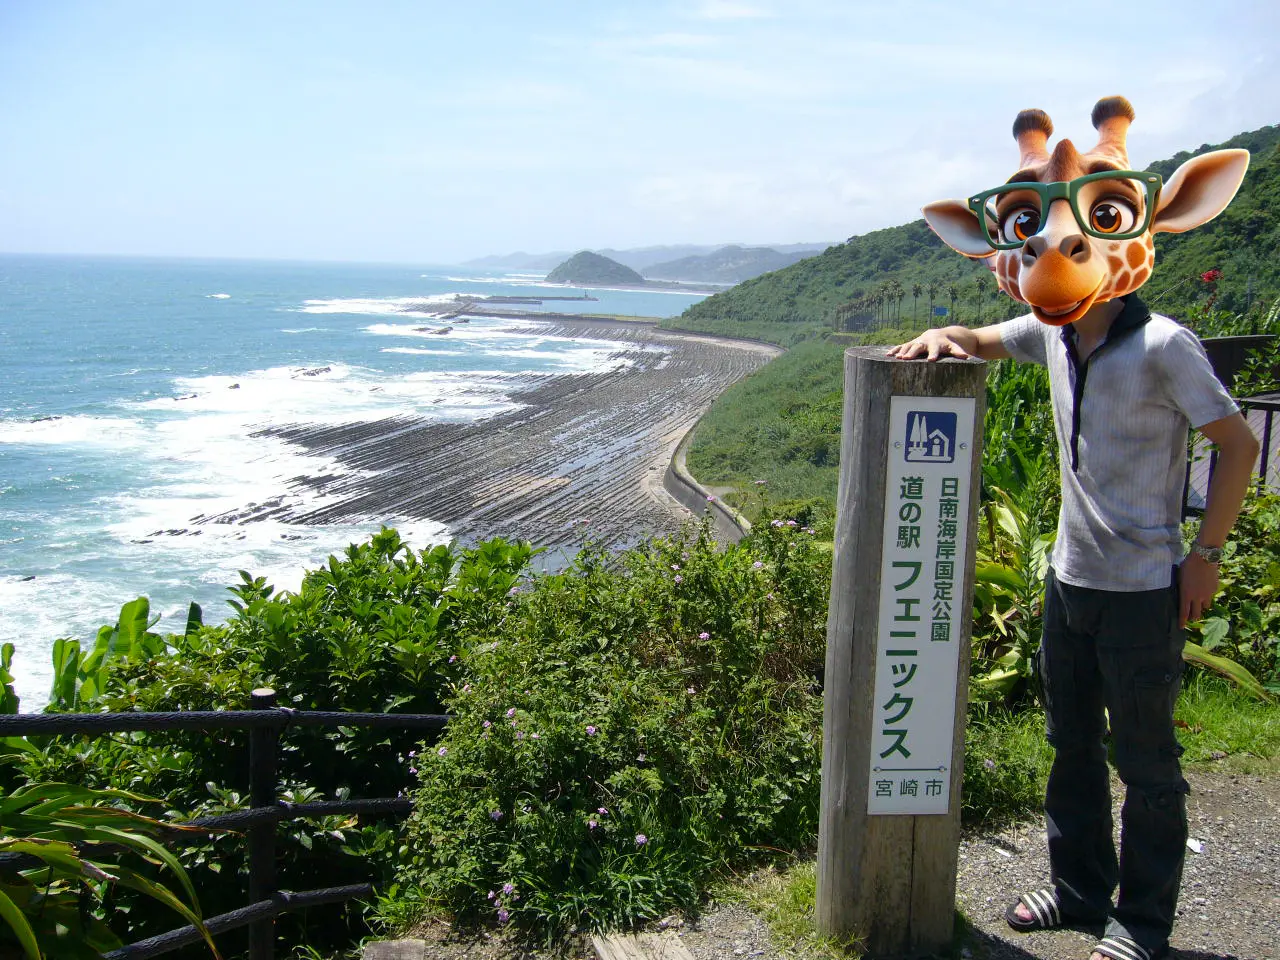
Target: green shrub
[
  {"x": 1244, "y": 622},
  {"x": 638, "y": 724}
]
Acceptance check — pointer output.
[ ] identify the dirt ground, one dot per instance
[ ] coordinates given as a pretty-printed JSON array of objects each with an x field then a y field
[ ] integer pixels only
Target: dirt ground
[{"x": 1229, "y": 910}]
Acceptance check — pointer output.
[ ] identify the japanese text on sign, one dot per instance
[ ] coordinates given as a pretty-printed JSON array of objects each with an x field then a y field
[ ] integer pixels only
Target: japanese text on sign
[{"x": 921, "y": 610}]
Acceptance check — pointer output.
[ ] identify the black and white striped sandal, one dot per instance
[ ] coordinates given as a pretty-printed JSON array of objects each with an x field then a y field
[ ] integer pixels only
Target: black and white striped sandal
[
  {"x": 1046, "y": 913},
  {"x": 1122, "y": 948}
]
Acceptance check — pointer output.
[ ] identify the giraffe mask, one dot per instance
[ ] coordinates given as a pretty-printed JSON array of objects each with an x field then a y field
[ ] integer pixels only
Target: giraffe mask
[{"x": 1095, "y": 240}]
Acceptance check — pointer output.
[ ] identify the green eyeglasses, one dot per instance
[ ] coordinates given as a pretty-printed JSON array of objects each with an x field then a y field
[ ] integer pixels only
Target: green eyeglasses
[{"x": 1119, "y": 203}]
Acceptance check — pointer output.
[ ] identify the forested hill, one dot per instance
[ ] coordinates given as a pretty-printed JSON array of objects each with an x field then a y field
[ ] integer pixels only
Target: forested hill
[{"x": 873, "y": 278}]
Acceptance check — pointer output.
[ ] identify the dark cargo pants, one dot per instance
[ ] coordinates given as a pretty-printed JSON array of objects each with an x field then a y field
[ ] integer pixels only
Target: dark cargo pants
[{"x": 1121, "y": 652}]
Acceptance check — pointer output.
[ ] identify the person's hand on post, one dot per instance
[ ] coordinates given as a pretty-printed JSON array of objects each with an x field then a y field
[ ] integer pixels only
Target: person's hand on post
[
  {"x": 1197, "y": 586},
  {"x": 930, "y": 345}
]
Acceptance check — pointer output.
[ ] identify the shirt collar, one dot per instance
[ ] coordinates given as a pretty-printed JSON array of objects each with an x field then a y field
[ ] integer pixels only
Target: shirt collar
[{"x": 1132, "y": 315}]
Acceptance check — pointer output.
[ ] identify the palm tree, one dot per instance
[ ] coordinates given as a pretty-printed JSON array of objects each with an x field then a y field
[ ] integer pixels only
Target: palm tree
[
  {"x": 899, "y": 292},
  {"x": 932, "y": 289},
  {"x": 953, "y": 292},
  {"x": 917, "y": 288},
  {"x": 979, "y": 288}
]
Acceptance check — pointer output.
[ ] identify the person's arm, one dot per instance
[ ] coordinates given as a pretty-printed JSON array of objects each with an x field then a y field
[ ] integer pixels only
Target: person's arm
[
  {"x": 1237, "y": 451},
  {"x": 983, "y": 343}
]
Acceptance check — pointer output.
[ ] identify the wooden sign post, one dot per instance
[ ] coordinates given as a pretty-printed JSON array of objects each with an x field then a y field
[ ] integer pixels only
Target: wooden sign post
[{"x": 898, "y": 635}]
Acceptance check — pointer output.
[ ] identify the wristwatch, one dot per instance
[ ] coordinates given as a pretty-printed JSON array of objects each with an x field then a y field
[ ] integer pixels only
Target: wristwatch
[{"x": 1208, "y": 554}]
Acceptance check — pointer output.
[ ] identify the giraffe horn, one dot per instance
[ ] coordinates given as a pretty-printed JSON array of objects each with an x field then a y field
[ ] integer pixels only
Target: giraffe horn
[
  {"x": 1111, "y": 118},
  {"x": 1032, "y": 130}
]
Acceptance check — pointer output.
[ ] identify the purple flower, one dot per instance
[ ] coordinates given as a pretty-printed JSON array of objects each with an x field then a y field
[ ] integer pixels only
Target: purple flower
[
  {"x": 640, "y": 757},
  {"x": 442, "y": 751},
  {"x": 690, "y": 690},
  {"x": 513, "y": 591},
  {"x": 503, "y": 916},
  {"x": 641, "y": 839},
  {"x": 711, "y": 499},
  {"x": 453, "y": 658},
  {"x": 487, "y": 724},
  {"x": 776, "y": 523},
  {"x": 675, "y": 566},
  {"x": 591, "y": 731},
  {"x": 511, "y": 712},
  {"x": 491, "y": 894},
  {"x": 495, "y": 815},
  {"x": 466, "y": 688},
  {"x": 534, "y": 736},
  {"x": 508, "y": 889},
  {"x": 989, "y": 763},
  {"x": 791, "y": 523},
  {"x": 768, "y": 596},
  {"x": 413, "y": 771},
  {"x": 603, "y": 811},
  {"x": 591, "y": 824},
  {"x": 704, "y": 635},
  {"x": 678, "y": 578},
  {"x": 413, "y": 753},
  {"x": 519, "y": 734},
  {"x": 758, "y": 565}
]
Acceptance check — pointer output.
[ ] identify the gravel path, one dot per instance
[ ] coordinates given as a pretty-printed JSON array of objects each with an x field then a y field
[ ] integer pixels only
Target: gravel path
[{"x": 1230, "y": 906}]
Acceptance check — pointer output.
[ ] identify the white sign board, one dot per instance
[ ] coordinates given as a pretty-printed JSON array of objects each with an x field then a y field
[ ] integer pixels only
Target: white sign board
[{"x": 926, "y": 515}]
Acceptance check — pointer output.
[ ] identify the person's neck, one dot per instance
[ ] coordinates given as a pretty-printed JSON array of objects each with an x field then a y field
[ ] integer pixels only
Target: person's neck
[{"x": 1093, "y": 326}]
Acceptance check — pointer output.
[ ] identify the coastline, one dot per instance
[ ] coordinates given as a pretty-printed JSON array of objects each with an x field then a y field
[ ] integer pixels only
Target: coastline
[{"x": 583, "y": 459}]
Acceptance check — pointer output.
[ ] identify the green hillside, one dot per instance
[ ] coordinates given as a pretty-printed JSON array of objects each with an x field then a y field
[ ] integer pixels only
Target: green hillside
[{"x": 872, "y": 279}]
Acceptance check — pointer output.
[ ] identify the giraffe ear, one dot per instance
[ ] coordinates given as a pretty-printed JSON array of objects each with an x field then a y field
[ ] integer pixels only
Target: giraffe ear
[
  {"x": 1199, "y": 190},
  {"x": 957, "y": 227}
]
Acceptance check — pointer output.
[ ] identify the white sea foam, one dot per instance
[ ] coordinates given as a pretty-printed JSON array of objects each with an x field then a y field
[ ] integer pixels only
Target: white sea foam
[
  {"x": 379, "y": 306},
  {"x": 101, "y": 432},
  {"x": 423, "y": 351},
  {"x": 218, "y": 296},
  {"x": 304, "y": 330}
]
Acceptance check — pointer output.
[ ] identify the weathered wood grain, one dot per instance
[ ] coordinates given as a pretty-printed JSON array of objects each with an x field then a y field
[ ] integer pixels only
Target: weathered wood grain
[
  {"x": 887, "y": 879},
  {"x": 640, "y": 946}
]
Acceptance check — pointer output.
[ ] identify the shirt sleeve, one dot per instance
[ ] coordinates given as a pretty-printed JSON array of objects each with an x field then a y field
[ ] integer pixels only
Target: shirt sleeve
[
  {"x": 1193, "y": 386},
  {"x": 1023, "y": 337}
]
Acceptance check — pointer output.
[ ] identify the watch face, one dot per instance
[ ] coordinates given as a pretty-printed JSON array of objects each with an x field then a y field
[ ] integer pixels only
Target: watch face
[{"x": 1211, "y": 554}]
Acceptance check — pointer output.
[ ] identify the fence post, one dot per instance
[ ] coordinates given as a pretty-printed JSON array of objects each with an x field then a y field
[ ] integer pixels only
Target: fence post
[
  {"x": 898, "y": 635},
  {"x": 262, "y": 836}
]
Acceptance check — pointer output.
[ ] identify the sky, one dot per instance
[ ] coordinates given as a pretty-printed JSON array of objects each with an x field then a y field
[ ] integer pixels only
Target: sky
[{"x": 433, "y": 132}]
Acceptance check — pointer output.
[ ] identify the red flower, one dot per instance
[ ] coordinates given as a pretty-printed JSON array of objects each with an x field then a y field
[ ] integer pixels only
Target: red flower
[{"x": 1210, "y": 275}]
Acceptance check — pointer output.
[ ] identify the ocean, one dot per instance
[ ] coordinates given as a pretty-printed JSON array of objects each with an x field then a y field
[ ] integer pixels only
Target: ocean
[{"x": 131, "y": 390}]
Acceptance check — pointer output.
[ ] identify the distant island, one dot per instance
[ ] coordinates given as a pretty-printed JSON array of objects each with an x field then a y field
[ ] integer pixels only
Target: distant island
[
  {"x": 587, "y": 269},
  {"x": 729, "y": 264},
  {"x": 690, "y": 263}
]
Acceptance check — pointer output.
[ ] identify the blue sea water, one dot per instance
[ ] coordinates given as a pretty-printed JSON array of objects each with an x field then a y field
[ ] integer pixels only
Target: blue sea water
[{"x": 130, "y": 390}]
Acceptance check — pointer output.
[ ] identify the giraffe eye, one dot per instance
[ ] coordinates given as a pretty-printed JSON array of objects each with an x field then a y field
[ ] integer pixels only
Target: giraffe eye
[
  {"x": 1020, "y": 224},
  {"x": 1112, "y": 216}
]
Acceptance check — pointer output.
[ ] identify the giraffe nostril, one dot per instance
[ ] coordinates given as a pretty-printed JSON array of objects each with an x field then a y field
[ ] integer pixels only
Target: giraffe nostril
[
  {"x": 1032, "y": 249},
  {"x": 1075, "y": 248}
]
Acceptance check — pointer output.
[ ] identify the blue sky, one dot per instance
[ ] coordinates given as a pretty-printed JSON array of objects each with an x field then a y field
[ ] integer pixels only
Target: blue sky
[{"x": 432, "y": 132}]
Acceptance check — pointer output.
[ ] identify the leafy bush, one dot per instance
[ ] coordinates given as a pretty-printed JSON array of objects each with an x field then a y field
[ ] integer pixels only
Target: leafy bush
[
  {"x": 638, "y": 724},
  {"x": 371, "y": 632},
  {"x": 83, "y": 850},
  {"x": 1244, "y": 622}
]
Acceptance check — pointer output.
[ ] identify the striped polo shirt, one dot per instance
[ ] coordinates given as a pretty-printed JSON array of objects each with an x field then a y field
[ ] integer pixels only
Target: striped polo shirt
[{"x": 1122, "y": 418}]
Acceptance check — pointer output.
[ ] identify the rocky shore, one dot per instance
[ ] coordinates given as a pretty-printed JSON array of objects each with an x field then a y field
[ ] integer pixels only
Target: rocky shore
[{"x": 582, "y": 458}]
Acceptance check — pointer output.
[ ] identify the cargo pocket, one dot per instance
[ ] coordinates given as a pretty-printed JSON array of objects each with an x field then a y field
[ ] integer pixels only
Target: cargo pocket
[{"x": 1155, "y": 692}]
